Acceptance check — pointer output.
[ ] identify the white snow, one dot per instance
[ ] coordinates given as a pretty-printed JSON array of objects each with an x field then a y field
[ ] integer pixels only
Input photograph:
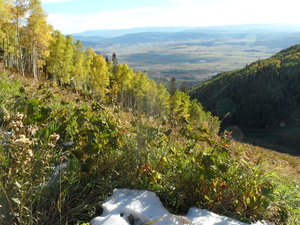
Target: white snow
[{"x": 127, "y": 207}]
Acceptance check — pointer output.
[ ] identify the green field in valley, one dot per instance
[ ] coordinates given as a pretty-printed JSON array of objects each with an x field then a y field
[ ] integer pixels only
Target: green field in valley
[{"x": 192, "y": 61}]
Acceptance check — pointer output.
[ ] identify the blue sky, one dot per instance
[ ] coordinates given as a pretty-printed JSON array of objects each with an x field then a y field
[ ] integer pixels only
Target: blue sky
[{"x": 72, "y": 16}]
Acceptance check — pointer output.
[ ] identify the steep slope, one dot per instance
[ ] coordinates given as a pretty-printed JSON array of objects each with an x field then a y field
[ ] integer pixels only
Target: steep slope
[
  {"x": 97, "y": 148},
  {"x": 264, "y": 93}
]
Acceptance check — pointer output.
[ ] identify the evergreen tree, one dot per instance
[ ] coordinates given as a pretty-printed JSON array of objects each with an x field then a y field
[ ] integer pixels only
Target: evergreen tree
[
  {"x": 184, "y": 87},
  {"x": 263, "y": 93},
  {"x": 115, "y": 62},
  {"x": 173, "y": 85}
]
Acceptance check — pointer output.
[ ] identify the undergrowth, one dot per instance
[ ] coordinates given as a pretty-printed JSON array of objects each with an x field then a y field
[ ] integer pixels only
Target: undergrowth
[{"x": 60, "y": 158}]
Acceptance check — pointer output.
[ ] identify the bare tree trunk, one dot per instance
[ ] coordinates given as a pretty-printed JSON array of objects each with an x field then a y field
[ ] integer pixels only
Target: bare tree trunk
[
  {"x": 22, "y": 62},
  {"x": 6, "y": 56},
  {"x": 34, "y": 63}
]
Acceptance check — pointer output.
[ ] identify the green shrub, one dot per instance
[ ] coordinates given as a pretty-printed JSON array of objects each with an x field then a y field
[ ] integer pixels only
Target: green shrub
[
  {"x": 8, "y": 87},
  {"x": 186, "y": 165}
]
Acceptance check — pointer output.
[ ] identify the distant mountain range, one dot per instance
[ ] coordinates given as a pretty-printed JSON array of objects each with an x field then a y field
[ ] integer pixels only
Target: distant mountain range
[
  {"x": 280, "y": 35},
  {"x": 226, "y": 28},
  {"x": 119, "y": 32},
  {"x": 147, "y": 37}
]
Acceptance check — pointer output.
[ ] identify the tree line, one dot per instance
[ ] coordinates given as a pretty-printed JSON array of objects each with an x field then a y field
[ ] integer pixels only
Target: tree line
[
  {"x": 264, "y": 93},
  {"x": 24, "y": 35},
  {"x": 31, "y": 46}
]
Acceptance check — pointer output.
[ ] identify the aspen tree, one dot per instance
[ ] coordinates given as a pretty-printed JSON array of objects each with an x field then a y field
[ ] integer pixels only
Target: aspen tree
[
  {"x": 78, "y": 69},
  {"x": 150, "y": 97},
  {"x": 162, "y": 97},
  {"x": 5, "y": 28},
  {"x": 179, "y": 104},
  {"x": 4, "y": 19},
  {"x": 19, "y": 11},
  {"x": 60, "y": 59},
  {"x": 39, "y": 35},
  {"x": 141, "y": 87},
  {"x": 98, "y": 74},
  {"x": 68, "y": 59},
  {"x": 122, "y": 81},
  {"x": 88, "y": 65},
  {"x": 55, "y": 60}
]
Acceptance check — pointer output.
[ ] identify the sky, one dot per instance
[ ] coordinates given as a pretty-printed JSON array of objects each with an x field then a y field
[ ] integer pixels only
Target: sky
[{"x": 74, "y": 16}]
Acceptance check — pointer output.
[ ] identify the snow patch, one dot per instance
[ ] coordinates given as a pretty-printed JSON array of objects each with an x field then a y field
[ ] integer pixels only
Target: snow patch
[{"x": 127, "y": 207}]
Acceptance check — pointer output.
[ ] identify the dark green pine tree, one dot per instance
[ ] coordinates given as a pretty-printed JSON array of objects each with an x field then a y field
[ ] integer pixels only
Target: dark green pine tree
[
  {"x": 173, "y": 86},
  {"x": 115, "y": 63},
  {"x": 183, "y": 87},
  {"x": 106, "y": 59}
]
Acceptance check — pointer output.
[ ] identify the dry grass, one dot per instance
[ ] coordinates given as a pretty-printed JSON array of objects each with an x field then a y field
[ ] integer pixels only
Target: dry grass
[{"x": 285, "y": 164}]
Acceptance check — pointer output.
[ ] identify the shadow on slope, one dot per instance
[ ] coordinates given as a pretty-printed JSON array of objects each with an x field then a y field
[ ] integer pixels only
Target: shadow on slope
[{"x": 284, "y": 140}]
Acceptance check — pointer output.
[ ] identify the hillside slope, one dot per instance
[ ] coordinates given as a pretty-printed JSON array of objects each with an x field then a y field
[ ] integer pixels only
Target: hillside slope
[
  {"x": 264, "y": 93},
  {"x": 97, "y": 147}
]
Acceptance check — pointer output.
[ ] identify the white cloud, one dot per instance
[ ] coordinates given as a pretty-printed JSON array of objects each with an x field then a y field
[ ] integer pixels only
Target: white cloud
[
  {"x": 188, "y": 14},
  {"x": 116, "y": 19}
]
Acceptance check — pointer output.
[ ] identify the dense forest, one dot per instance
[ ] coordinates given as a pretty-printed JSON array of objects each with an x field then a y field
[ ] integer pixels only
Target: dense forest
[
  {"x": 75, "y": 125},
  {"x": 264, "y": 93}
]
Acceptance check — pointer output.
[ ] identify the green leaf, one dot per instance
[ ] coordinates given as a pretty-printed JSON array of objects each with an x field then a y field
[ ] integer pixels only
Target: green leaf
[{"x": 266, "y": 191}]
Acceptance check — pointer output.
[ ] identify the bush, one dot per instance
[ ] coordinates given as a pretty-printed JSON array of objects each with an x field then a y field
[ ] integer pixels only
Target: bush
[
  {"x": 62, "y": 158},
  {"x": 8, "y": 87}
]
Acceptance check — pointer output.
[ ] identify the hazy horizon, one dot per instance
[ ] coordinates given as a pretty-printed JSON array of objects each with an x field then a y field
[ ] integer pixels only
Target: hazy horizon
[{"x": 74, "y": 16}]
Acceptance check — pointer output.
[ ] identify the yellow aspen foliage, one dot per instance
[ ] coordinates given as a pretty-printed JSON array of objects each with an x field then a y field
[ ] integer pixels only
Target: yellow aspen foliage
[
  {"x": 121, "y": 82},
  {"x": 78, "y": 68},
  {"x": 59, "y": 62},
  {"x": 5, "y": 11},
  {"x": 180, "y": 103},
  {"x": 38, "y": 34},
  {"x": 98, "y": 74}
]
